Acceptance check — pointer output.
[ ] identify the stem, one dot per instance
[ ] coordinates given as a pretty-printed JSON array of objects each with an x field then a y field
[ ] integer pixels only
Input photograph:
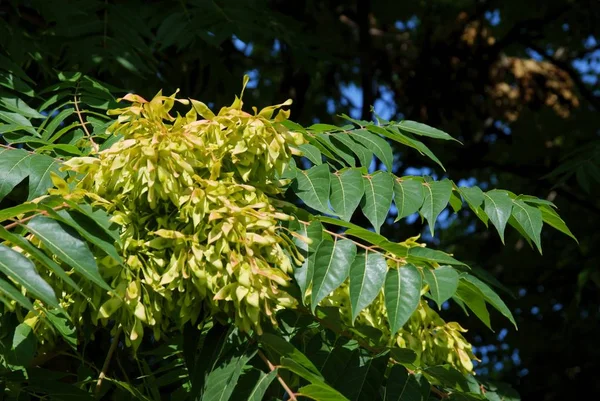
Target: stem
[
  {"x": 111, "y": 351},
  {"x": 83, "y": 124},
  {"x": 372, "y": 248},
  {"x": 26, "y": 219},
  {"x": 283, "y": 384},
  {"x": 439, "y": 392}
]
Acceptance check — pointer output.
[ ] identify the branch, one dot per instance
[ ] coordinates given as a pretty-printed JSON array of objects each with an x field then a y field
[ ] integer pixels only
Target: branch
[
  {"x": 111, "y": 351},
  {"x": 272, "y": 368},
  {"x": 26, "y": 219},
  {"x": 372, "y": 248},
  {"x": 83, "y": 124},
  {"x": 28, "y": 151},
  {"x": 439, "y": 392}
]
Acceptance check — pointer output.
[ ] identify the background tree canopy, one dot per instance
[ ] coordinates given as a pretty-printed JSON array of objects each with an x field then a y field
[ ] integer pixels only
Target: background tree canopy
[{"x": 515, "y": 81}]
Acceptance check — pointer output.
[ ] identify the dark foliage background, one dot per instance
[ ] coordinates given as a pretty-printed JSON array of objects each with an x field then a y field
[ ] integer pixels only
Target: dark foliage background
[{"x": 515, "y": 81}]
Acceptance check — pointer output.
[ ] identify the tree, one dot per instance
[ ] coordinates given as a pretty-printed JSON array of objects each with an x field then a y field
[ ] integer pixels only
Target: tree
[
  {"x": 439, "y": 60},
  {"x": 177, "y": 225}
]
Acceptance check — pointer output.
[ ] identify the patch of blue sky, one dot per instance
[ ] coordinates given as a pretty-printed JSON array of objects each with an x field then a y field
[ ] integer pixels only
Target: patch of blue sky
[
  {"x": 493, "y": 17},
  {"x": 254, "y": 77},
  {"x": 467, "y": 182},
  {"x": 353, "y": 95},
  {"x": 384, "y": 106},
  {"x": 245, "y": 48},
  {"x": 276, "y": 47},
  {"x": 534, "y": 54},
  {"x": 411, "y": 24}
]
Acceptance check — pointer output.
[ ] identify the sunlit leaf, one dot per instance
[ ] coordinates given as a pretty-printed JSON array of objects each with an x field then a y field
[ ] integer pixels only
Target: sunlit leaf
[
  {"x": 332, "y": 265},
  {"x": 378, "y": 198},
  {"x": 498, "y": 207},
  {"x": 402, "y": 294},
  {"x": 367, "y": 275},
  {"x": 346, "y": 192}
]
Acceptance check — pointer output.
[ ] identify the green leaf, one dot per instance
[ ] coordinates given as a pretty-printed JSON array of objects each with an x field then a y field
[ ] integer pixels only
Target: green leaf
[
  {"x": 18, "y": 120},
  {"x": 408, "y": 197},
  {"x": 332, "y": 265},
  {"x": 283, "y": 348},
  {"x": 14, "y": 104},
  {"x": 221, "y": 381},
  {"x": 312, "y": 186},
  {"x": 262, "y": 384},
  {"x": 474, "y": 198},
  {"x": 530, "y": 219},
  {"x": 214, "y": 343},
  {"x": 474, "y": 299},
  {"x": 16, "y": 165},
  {"x": 491, "y": 297},
  {"x": 432, "y": 255},
  {"x": 369, "y": 236},
  {"x": 377, "y": 200},
  {"x": 304, "y": 274},
  {"x": 401, "y": 386},
  {"x": 402, "y": 294},
  {"x": 21, "y": 270},
  {"x": 498, "y": 206},
  {"x": 65, "y": 328},
  {"x": 375, "y": 144},
  {"x": 24, "y": 345},
  {"x": 321, "y": 392},
  {"x": 394, "y": 133},
  {"x": 100, "y": 217},
  {"x": 14, "y": 211},
  {"x": 13, "y": 169},
  {"x": 456, "y": 202},
  {"x": 55, "y": 122},
  {"x": 39, "y": 255},
  {"x": 312, "y": 153},
  {"x": 295, "y": 367},
  {"x": 346, "y": 192},
  {"x": 362, "y": 376},
  {"x": 367, "y": 275},
  {"x": 443, "y": 283},
  {"x": 448, "y": 377},
  {"x": 341, "y": 151},
  {"x": 364, "y": 155},
  {"x": 88, "y": 229},
  {"x": 549, "y": 216},
  {"x": 437, "y": 195},
  {"x": 403, "y": 355},
  {"x": 67, "y": 245},
  {"x": 12, "y": 293},
  {"x": 424, "y": 130}
]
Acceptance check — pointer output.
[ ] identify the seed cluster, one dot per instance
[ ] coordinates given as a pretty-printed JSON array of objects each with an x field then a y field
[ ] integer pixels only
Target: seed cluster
[{"x": 192, "y": 196}]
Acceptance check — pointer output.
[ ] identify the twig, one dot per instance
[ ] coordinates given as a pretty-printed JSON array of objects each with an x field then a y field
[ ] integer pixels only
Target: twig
[
  {"x": 111, "y": 351},
  {"x": 28, "y": 151},
  {"x": 283, "y": 384},
  {"x": 365, "y": 247},
  {"x": 87, "y": 132},
  {"x": 26, "y": 219},
  {"x": 439, "y": 392}
]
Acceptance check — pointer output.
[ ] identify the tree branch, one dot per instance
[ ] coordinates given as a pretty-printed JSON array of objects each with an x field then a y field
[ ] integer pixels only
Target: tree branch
[
  {"x": 272, "y": 368},
  {"x": 109, "y": 355},
  {"x": 83, "y": 124},
  {"x": 26, "y": 219}
]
